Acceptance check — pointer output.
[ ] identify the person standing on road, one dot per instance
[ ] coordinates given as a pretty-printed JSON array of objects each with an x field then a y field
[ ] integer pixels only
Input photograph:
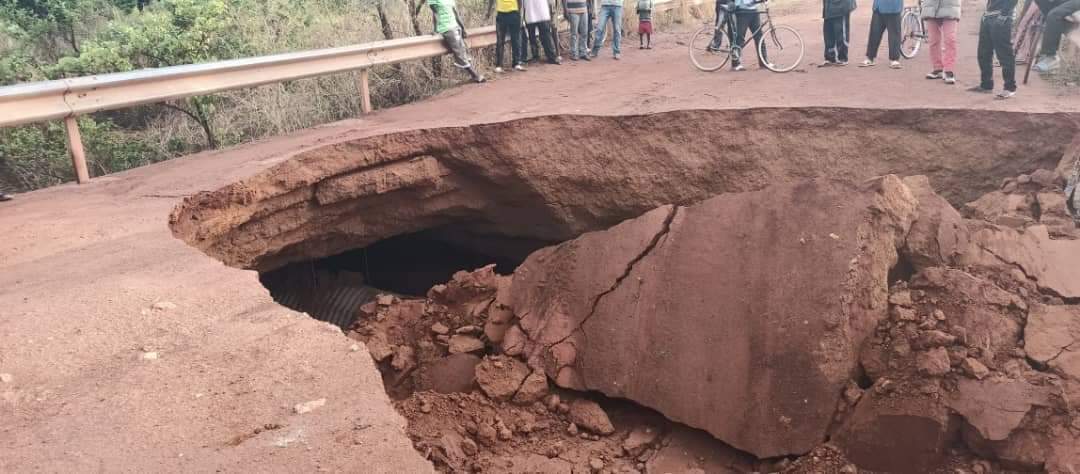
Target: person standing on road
[
  {"x": 1056, "y": 13},
  {"x": 508, "y": 23},
  {"x": 577, "y": 14},
  {"x": 995, "y": 38},
  {"x": 837, "y": 30},
  {"x": 942, "y": 18},
  {"x": 538, "y": 23},
  {"x": 448, "y": 24},
  {"x": 886, "y": 17},
  {"x": 644, "y": 11},
  {"x": 748, "y": 17},
  {"x": 609, "y": 10}
]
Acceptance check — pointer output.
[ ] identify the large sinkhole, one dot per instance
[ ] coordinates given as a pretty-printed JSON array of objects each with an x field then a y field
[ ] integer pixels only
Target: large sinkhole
[{"x": 398, "y": 214}]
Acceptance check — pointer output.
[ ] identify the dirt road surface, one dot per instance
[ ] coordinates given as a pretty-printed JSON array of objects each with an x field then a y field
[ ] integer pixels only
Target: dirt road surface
[{"x": 125, "y": 350}]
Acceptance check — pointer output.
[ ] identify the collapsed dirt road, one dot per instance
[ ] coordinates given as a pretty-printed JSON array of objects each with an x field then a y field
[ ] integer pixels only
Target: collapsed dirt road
[{"x": 125, "y": 349}]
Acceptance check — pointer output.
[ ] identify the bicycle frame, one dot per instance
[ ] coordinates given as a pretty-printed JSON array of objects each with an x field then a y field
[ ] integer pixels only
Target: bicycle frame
[
  {"x": 918, "y": 12},
  {"x": 730, "y": 21}
]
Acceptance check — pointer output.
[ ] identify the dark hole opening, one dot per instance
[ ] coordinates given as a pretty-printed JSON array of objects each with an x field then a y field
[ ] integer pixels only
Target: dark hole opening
[
  {"x": 902, "y": 271},
  {"x": 332, "y": 288}
]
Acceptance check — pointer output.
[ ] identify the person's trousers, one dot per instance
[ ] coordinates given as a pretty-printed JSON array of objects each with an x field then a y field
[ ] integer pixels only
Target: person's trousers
[
  {"x": 1056, "y": 26},
  {"x": 880, "y": 22},
  {"x": 579, "y": 34},
  {"x": 837, "y": 31},
  {"x": 591, "y": 37},
  {"x": 455, "y": 41},
  {"x": 614, "y": 13},
  {"x": 456, "y": 44},
  {"x": 995, "y": 37},
  {"x": 525, "y": 57},
  {"x": 508, "y": 24},
  {"x": 941, "y": 33},
  {"x": 749, "y": 21},
  {"x": 543, "y": 31}
]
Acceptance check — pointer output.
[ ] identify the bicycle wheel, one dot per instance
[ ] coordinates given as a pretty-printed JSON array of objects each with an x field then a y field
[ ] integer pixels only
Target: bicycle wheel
[
  {"x": 781, "y": 49},
  {"x": 710, "y": 48},
  {"x": 912, "y": 34}
]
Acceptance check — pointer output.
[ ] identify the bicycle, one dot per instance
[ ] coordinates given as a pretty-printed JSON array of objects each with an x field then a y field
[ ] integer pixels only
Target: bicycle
[
  {"x": 713, "y": 46},
  {"x": 912, "y": 31}
]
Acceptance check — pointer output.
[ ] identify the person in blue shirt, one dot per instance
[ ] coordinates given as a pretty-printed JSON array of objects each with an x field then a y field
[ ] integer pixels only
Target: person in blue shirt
[
  {"x": 747, "y": 16},
  {"x": 886, "y": 17}
]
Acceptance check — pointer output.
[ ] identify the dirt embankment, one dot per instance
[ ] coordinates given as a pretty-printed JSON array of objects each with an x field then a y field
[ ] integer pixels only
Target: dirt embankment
[
  {"x": 553, "y": 178},
  {"x": 837, "y": 328}
]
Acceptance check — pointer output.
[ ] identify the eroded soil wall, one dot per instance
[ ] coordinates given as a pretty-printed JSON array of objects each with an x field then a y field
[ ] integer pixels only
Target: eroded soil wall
[{"x": 553, "y": 178}]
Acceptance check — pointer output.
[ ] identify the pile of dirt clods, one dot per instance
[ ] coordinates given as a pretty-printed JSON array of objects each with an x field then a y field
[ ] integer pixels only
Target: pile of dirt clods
[{"x": 812, "y": 326}]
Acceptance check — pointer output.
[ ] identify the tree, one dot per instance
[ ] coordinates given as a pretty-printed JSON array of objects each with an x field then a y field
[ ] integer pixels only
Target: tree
[{"x": 172, "y": 32}]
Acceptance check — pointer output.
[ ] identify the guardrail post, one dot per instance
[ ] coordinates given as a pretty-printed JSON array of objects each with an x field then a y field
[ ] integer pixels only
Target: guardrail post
[
  {"x": 75, "y": 146},
  {"x": 365, "y": 92}
]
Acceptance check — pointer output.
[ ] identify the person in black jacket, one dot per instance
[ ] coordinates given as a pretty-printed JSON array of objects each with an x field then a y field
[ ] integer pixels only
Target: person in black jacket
[
  {"x": 837, "y": 30},
  {"x": 995, "y": 38}
]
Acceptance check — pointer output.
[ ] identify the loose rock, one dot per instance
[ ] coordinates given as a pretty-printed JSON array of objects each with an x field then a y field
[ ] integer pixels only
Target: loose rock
[
  {"x": 308, "y": 407},
  {"x": 589, "y": 416},
  {"x": 379, "y": 348},
  {"x": 461, "y": 344},
  {"x": 439, "y": 328},
  {"x": 596, "y": 465},
  {"x": 533, "y": 389},
  {"x": 404, "y": 359},
  {"x": 501, "y": 383},
  {"x": 974, "y": 368},
  {"x": 639, "y": 439},
  {"x": 934, "y": 362}
]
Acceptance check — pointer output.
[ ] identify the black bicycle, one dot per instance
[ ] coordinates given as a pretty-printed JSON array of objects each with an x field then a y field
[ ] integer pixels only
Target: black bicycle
[{"x": 714, "y": 45}]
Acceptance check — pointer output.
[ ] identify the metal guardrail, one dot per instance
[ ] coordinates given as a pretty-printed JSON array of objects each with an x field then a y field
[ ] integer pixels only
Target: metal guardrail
[
  {"x": 34, "y": 102},
  {"x": 68, "y": 98}
]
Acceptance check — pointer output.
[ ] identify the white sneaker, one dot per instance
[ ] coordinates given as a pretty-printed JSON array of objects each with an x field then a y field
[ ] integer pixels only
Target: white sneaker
[
  {"x": 739, "y": 68},
  {"x": 896, "y": 65},
  {"x": 868, "y": 63},
  {"x": 498, "y": 70},
  {"x": 1005, "y": 95},
  {"x": 519, "y": 68}
]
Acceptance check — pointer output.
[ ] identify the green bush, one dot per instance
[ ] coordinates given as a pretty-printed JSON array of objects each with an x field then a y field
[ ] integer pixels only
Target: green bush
[
  {"x": 36, "y": 156},
  {"x": 53, "y": 39}
]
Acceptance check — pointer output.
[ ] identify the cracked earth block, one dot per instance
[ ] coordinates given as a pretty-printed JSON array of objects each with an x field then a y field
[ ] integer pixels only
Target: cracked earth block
[{"x": 739, "y": 315}]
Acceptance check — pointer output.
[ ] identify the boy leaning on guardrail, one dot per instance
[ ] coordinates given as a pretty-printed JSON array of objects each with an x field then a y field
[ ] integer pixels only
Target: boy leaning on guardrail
[{"x": 448, "y": 23}]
